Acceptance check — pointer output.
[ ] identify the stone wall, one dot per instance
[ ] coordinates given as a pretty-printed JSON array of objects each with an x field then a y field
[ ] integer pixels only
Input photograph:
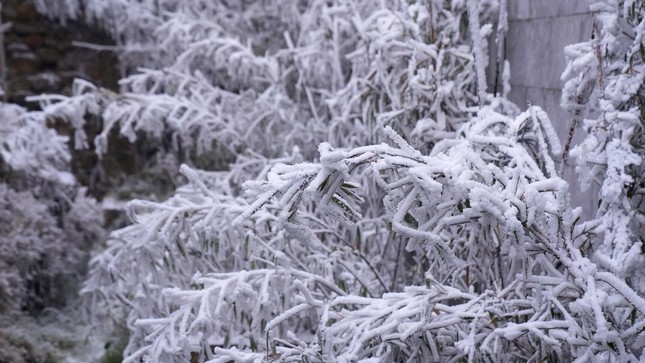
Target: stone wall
[
  {"x": 538, "y": 32},
  {"x": 41, "y": 58}
]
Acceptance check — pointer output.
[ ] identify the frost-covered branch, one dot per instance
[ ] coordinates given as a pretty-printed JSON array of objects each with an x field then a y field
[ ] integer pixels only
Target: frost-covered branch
[{"x": 604, "y": 85}]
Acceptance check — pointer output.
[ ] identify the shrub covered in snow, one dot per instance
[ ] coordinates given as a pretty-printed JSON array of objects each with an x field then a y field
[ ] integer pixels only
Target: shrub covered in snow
[
  {"x": 48, "y": 226},
  {"x": 372, "y": 200},
  {"x": 47, "y": 223},
  {"x": 606, "y": 89}
]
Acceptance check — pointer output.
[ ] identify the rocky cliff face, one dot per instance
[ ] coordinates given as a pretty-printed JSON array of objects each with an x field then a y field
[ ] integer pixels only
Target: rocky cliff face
[{"x": 41, "y": 56}]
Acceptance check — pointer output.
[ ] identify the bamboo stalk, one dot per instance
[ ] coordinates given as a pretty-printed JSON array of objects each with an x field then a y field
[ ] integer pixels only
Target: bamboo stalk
[{"x": 3, "y": 81}]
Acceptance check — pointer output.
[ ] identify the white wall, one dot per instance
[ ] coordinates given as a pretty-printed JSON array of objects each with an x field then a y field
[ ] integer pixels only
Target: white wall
[{"x": 538, "y": 32}]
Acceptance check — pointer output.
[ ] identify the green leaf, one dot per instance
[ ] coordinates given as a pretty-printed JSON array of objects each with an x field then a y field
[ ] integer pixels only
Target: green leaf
[
  {"x": 323, "y": 185},
  {"x": 409, "y": 219},
  {"x": 358, "y": 238},
  {"x": 347, "y": 185},
  {"x": 342, "y": 285},
  {"x": 493, "y": 318},
  {"x": 180, "y": 247}
]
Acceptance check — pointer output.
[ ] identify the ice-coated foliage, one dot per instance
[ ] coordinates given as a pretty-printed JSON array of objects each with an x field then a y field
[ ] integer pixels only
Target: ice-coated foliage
[
  {"x": 130, "y": 23},
  {"x": 480, "y": 200},
  {"x": 297, "y": 272},
  {"x": 306, "y": 72},
  {"x": 373, "y": 201},
  {"x": 31, "y": 254},
  {"x": 47, "y": 223},
  {"x": 606, "y": 89},
  {"x": 28, "y": 146}
]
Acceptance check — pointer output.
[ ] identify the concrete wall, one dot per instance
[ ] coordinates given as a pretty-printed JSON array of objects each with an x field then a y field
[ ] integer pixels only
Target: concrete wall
[{"x": 538, "y": 32}]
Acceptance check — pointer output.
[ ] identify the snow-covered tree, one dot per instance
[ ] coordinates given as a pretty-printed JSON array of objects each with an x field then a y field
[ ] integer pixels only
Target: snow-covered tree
[
  {"x": 48, "y": 223},
  {"x": 368, "y": 198},
  {"x": 299, "y": 273},
  {"x": 606, "y": 89},
  {"x": 48, "y": 227}
]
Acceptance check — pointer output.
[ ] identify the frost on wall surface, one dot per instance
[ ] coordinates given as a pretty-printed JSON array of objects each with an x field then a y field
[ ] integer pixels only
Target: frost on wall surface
[{"x": 428, "y": 223}]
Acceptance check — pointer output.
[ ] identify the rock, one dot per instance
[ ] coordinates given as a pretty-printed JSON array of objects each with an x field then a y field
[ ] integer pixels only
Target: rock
[
  {"x": 23, "y": 63},
  {"x": 11, "y": 38},
  {"x": 27, "y": 11},
  {"x": 57, "y": 43},
  {"x": 67, "y": 63},
  {"x": 46, "y": 82},
  {"x": 34, "y": 41},
  {"x": 16, "y": 47},
  {"x": 92, "y": 69},
  {"x": 9, "y": 12},
  {"x": 49, "y": 56},
  {"x": 29, "y": 28},
  {"x": 19, "y": 83}
]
